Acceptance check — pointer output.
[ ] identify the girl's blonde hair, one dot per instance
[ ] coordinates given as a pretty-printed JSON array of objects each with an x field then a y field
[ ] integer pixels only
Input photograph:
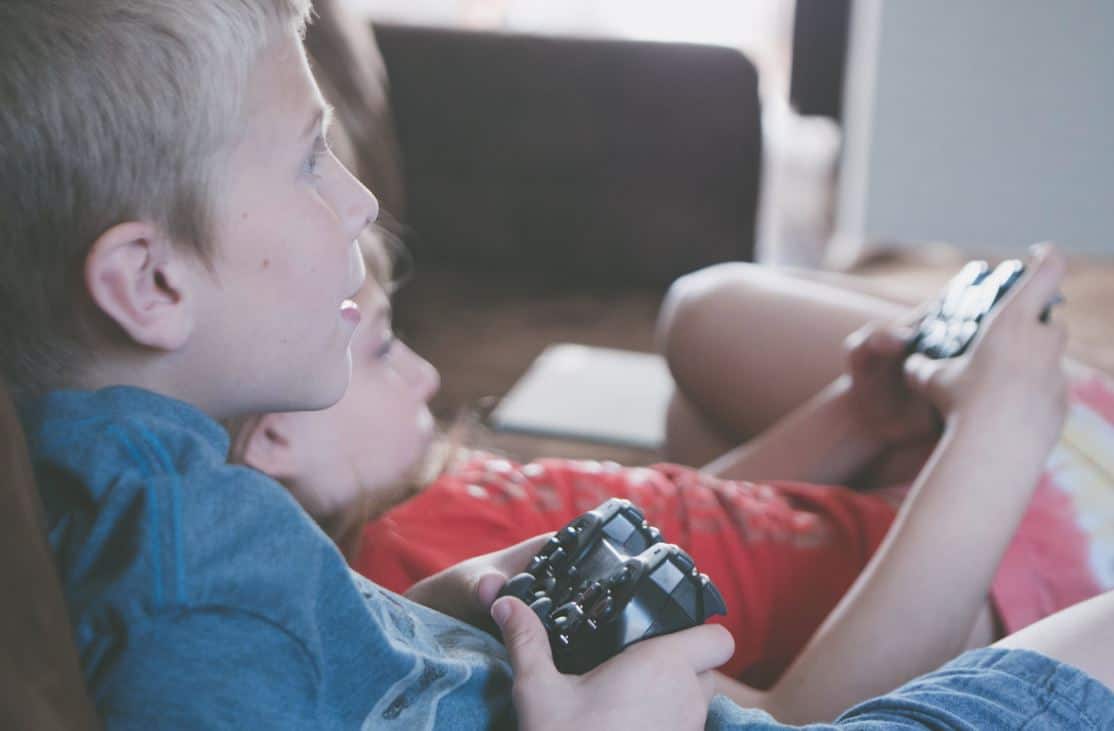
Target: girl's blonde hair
[{"x": 110, "y": 111}]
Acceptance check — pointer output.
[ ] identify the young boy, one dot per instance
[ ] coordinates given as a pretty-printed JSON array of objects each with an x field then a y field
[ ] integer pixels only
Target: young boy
[{"x": 178, "y": 248}]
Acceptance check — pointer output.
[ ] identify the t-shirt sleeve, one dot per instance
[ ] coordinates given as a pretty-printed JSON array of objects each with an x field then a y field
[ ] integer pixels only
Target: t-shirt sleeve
[{"x": 211, "y": 669}]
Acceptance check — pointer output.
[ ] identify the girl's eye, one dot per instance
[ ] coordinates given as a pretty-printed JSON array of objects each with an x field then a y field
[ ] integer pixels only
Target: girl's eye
[
  {"x": 320, "y": 149},
  {"x": 384, "y": 348}
]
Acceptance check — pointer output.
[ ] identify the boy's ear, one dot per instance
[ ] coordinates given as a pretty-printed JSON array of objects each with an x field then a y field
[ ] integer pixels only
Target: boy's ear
[
  {"x": 137, "y": 278},
  {"x": 269, "y": 447}
]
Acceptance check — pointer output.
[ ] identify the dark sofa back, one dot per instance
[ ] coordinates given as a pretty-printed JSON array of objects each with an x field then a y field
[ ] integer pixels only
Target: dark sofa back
[{"x": 602, "y": 159}]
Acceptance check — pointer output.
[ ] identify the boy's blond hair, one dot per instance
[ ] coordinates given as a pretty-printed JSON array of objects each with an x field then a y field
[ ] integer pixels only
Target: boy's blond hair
[{"x": 110, "y": 111}]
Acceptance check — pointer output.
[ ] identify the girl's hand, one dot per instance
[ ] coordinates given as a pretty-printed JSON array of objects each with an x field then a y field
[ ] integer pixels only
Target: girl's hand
[
  {"x": 466, "y": 590},
  {"x": 882, "y": 401},
  {"x": 661, "y": 683},
  {"x": 1011, "y": 379}
]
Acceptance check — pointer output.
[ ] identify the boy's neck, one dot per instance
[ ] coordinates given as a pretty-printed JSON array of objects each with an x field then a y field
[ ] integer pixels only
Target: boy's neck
[{"x": 156, "y": 372}]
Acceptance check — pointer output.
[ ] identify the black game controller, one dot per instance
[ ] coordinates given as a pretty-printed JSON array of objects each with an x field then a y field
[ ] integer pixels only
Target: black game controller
[
  {"x": 948, "y": 329},
  {"x": 605, "y": 581}
]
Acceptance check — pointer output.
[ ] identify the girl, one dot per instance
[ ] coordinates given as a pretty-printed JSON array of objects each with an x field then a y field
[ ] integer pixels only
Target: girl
[{"x": 783, "y": 553}]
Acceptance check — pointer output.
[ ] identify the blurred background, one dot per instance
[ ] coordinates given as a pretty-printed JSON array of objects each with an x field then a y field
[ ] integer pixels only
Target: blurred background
[{"x": 553, "y": 166}]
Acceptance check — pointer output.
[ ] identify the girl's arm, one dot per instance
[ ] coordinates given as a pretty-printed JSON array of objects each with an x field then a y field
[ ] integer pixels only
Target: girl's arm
[
  {"x": 822, "y": 441},
  {"x": 914, "y": 605},
  {"x": 848, "y": 425}
]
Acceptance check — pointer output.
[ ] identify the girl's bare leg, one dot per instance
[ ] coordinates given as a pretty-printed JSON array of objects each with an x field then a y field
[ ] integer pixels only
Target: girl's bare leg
[
  {"x": 747, "y": 344},
  {"x": 1082, "y": 635}
]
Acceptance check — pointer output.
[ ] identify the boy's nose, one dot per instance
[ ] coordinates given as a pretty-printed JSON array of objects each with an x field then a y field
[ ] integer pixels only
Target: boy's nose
[{"x": 361, "y": 207}]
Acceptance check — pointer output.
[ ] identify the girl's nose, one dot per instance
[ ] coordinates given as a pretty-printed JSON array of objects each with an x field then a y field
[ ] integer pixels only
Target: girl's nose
[{"x": 418, "y": 372}]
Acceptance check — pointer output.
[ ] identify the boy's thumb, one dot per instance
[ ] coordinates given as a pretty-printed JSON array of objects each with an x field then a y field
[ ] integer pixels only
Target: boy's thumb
[{"x": 524, "y": 636}]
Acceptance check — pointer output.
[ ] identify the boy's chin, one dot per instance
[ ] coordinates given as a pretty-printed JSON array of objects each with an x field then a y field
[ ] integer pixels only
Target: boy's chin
[{"x": 322, "y": 393}]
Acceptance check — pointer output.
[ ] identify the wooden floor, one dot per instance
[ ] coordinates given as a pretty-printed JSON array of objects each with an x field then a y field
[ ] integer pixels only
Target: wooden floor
[{"x": 483, "y": 334}]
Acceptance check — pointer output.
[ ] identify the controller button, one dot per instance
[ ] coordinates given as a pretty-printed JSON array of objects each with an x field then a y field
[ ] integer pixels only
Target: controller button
[
  {"x": 637, "y": 622},
  {"x": 713, "y": 600},
  {"x": 667, "y": 576},
  {"x": 618, "y": 529},
  {"x": 685, "y": 598},
  {"x": 558, "y": 557},
  {"x": 684, "y": 560},
  {"x": 568, "y": 537},
  {"x": 520, "y": 585},
  {"x": 601, "y": 610},
  {"x": 542, "y": 607}
]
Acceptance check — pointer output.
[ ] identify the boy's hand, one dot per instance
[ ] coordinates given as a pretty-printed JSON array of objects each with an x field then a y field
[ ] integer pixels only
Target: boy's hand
[
  {"x": 662, "y": 683},
  {"x": 1011, "y": 380},
  {"x": 890, "y": 410},
  {"x": 466, "y": 590}
]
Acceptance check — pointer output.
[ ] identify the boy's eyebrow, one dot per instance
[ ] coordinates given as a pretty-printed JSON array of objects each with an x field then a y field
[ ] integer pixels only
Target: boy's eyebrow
[{"x": 322, "y": 117}]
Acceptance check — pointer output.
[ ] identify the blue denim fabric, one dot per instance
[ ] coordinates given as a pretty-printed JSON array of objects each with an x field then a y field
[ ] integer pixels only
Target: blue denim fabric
[{"x": 983, "y": 690}]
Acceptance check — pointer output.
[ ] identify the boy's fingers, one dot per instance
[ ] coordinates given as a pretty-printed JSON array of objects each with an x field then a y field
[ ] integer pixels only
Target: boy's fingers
[
  {"x": 487, "y": 588},
  {"x": 518, "y": 555},
  {"x": 704, "y": 648},
  {"x": 510, "y": 561},
  {"x": 525, "y": 638}
]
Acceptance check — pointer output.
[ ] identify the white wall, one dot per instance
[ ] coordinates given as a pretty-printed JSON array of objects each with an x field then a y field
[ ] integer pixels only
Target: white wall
[{"x": 986, "y": 123}]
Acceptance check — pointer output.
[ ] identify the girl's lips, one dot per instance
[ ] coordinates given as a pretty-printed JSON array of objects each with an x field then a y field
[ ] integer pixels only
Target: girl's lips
[{"x": 350, "y": 311}]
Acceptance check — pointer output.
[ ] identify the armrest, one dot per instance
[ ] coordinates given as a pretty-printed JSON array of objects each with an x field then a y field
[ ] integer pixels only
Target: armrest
[
  {"x": 40, "y": 680},
  {"x": 604, "y": 159}
]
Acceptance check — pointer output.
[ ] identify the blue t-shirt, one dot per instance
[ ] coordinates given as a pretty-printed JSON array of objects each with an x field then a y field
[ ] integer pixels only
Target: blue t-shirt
[{"x": 202, "y": 596}]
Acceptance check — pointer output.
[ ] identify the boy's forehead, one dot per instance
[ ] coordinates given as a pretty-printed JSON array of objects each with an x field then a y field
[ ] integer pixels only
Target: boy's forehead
[{"x": 283, "y": 97}]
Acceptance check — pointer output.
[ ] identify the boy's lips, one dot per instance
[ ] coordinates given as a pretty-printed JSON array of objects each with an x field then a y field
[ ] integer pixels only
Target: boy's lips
[{"x": 350, "y": 311}]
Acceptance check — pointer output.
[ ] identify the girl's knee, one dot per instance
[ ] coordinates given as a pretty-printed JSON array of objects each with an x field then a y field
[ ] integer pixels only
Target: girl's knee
[{"x": 702, "y": 297}]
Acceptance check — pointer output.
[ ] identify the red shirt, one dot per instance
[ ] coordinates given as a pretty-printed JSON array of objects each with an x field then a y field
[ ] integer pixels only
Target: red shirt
[{"x": 782, "y": 554}]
